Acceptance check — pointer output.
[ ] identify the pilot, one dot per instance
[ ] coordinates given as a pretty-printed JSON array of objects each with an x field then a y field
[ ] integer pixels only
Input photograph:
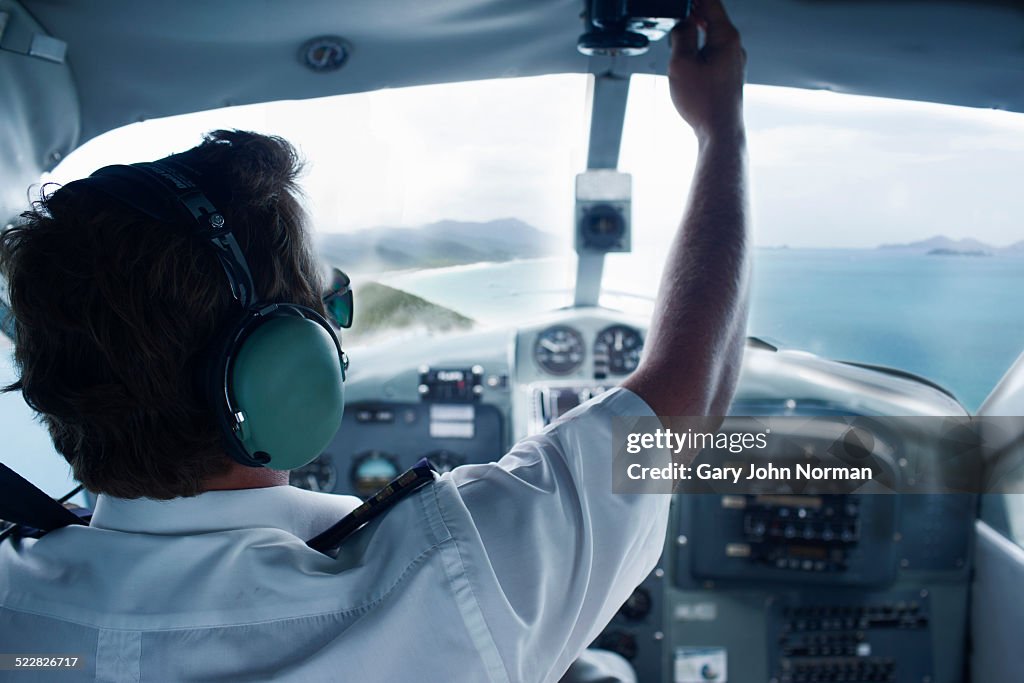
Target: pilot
[{"x": 195, "y": 564}]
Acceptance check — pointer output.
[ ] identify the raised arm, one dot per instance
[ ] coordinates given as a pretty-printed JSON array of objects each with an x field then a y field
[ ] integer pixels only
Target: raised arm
[{"x": 695, "y": 344}]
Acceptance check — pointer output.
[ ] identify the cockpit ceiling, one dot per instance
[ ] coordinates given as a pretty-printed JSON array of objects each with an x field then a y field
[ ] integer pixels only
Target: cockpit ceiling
[{"x": 134, "y": 60}]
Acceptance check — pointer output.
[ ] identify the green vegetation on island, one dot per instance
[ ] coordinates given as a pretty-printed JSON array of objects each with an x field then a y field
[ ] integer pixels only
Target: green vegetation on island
[{"x": 385, "y": 311}]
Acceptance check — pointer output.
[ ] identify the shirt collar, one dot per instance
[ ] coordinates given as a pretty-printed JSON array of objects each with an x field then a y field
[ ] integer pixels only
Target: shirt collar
[{"x": 302, "y": 513}]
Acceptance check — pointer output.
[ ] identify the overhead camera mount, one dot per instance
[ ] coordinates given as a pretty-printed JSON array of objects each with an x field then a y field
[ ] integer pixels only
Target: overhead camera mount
[{"x": 627, "y": 27}]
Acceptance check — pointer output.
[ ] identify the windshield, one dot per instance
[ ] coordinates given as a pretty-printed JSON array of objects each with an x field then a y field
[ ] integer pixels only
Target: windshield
[{"x": 884, "y": 230}]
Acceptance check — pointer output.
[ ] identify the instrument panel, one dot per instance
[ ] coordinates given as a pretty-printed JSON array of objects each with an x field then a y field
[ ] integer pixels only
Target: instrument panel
[
  {"x": 850, "y": 587},
  {"x": 379, "y": 441},
  {"x": 604, "y": 350},
  {"x": 750, "y": 587},
  {"x": 469, "y": 405},
  {"x": 560, "y": 350}
]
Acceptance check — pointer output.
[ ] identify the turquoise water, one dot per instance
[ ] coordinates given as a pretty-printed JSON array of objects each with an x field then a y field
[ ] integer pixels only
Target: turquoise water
[{"x": 958, "y": 321}]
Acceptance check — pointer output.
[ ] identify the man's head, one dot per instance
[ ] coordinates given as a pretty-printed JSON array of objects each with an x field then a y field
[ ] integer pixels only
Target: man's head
[{"x": 115, "y": 311}]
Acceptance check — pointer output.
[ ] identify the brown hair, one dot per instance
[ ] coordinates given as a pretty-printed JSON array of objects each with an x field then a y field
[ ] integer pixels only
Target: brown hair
[{"x": 115, "y": 310}]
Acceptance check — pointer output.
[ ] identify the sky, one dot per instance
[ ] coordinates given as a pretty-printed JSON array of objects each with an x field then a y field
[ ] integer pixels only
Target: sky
[{"x": 827, "y": 170}]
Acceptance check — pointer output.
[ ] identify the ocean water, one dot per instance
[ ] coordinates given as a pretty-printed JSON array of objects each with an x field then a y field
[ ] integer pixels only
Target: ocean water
[
  {"x": 958, "y": 321},
  {"x": 955, "y": 320}
]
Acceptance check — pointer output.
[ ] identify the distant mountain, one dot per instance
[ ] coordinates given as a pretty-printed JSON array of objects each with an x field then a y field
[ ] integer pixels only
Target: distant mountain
[
  {"x": 943, "y": 244},
  {"x": 1017, "y": 248},
  {"x": 445, "y": 243},
  {"x": 940, "y": 245}
]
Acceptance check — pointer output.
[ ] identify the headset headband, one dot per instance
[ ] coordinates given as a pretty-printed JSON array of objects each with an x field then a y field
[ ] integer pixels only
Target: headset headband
[{"x": 165, "y": 190}]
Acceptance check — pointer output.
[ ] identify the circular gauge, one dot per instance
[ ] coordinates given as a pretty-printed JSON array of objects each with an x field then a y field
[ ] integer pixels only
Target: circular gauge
[
  {"x": 559, "y": 349},
  {"x": 637, "y": 606},
  {"x": 445, "y": 461},
  {"x": 318, "y": 475},
  {"x": 617, "y": 348},
  {"x": 372, "y": 471}
]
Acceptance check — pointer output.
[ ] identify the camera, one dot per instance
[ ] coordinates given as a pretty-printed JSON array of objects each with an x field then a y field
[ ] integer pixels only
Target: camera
[
  {"x": 603, "y": 205},
  {"x": 627, "y": 27}
]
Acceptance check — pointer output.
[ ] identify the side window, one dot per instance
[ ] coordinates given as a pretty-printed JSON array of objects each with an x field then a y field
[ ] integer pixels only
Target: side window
[
  {"x": 1004, "y": 512},
  {"x": 27, "y": 447},
  {"x": 1014, "y": 506},
  {"x": 1003, "y": 429}
]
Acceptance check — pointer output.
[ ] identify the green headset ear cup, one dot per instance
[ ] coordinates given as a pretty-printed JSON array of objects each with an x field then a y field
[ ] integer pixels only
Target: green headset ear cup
[{"x": 286, "y": 379}]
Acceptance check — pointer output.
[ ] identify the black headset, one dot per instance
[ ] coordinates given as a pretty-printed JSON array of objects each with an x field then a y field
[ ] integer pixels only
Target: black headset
[{"x": 275, "y": 377}]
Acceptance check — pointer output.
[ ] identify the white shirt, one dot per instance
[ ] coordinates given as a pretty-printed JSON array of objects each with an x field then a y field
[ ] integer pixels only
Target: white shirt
[{"x": 502, "y": 572}]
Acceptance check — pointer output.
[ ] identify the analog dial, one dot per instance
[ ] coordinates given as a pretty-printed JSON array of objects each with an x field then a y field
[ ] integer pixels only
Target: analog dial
[
  {"x": 617, "y": 350},
  {"x": 372, "y": 471},
  {"x": 318, "y": 475},
  {"x": 559, "y": 349}
]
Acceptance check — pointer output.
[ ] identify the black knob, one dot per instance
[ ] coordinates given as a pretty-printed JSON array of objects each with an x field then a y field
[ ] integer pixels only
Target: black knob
[{"x": 637, "y": 606}]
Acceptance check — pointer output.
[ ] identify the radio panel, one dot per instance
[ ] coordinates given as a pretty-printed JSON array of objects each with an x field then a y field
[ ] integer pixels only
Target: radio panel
[
  {"x": 854, "y": 588},
  {"x": 833, "y": 539},
  {"x": 825, "y": 637}
]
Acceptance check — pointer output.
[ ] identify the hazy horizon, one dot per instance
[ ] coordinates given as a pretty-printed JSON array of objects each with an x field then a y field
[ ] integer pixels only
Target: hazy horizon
[
  {"x": 827, "y": 170},
  {"x": 883, "y": 245}
]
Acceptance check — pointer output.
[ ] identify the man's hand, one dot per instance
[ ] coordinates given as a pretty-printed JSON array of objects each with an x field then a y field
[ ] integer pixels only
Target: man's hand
[{"x": 707, "y": 83}]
